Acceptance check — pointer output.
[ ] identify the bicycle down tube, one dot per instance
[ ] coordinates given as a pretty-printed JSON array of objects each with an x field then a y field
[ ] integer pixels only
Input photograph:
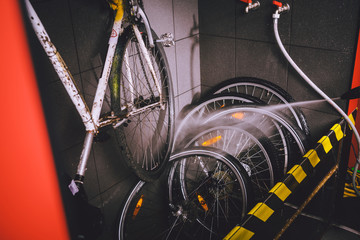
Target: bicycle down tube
[{"x": 60, "y": 68}]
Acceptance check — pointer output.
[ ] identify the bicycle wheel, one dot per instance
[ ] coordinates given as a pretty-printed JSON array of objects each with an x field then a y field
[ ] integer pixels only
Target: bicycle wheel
[
  {"x": 146, "y": 137},
  {"x": 196, "y": 113},
  {"x": 249, "y": 146},
  {"x": 192, "y": 114},
  {"x": 267, "y": 92},
  {"x": 272, "y": 124},
  {"x": 217, "y": 198}
]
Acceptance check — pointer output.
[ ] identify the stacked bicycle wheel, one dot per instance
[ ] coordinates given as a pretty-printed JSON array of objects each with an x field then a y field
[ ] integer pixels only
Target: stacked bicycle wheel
[{"x": 230, "y": 148}]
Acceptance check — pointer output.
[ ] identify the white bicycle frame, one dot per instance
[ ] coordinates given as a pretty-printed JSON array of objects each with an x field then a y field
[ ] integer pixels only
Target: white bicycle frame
[{"x": 91, "y": 119}]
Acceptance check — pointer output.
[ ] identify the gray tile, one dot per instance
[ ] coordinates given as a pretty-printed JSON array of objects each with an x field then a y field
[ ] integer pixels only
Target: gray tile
[
  {"x": 188, "y": 64},
  {"x": 44, "y": 70},
  {"x": 64, "y": 123},
  {"x": 261, "y": 60},
  {"x": 331, "y": 71},
  {"x": 217, "y": 59},
  {"x": 205, "y": 89},
  {"x": 170, "y": 53},
  {"x": 319, "y": 123},
  {"x": 69, "y": 160},
  {"x": 186, "y": 18},
  {"x": 160, "y": 14},
  {"x": 325, "y": 24},
  {"x": 217, "y": 18},
  {"x": 188, "y": 97},
  {"x": 91, "y": 28},
  {"x": 113, "y": 200},
  {"x": 177, "y": 109},
  {"x": 90, "y": 81},
  {"x": 110, "y": 166},
  {"x": 56, "y": 19}
]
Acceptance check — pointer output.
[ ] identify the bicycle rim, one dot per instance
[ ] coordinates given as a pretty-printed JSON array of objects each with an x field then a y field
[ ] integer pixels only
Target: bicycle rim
[
  {"x": 192, "y": 222},
  {"x": 267, "y": 92},
  {"x": 250, "y": 147},
  {"x": 272, "y": 125},
  {"x": 199, "y": 110},
  {"x": 146, "y": 137}
]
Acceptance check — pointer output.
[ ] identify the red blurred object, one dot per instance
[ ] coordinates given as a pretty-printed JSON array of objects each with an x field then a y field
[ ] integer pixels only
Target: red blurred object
[
  {"x": 246, "y": 1},
  {"x": 276, "y": 3},
  {"x": 30, "y": 202},
  {"x": 355, "y": 102}
]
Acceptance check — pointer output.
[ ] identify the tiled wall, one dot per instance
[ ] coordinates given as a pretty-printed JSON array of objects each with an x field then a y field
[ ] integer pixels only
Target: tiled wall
[
  {"x": 319, "y": 35},
  {"x": 180, "y": 18},
  {"x": 79, "y": 30}
]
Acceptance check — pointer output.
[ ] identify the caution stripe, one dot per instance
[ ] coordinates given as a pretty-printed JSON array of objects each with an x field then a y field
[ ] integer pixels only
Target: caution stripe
[
  {"x": 313, "y": 157},
  {"x": 262, "y": 212},
  {"x": 326, "y": 143},
  {"x": 239, "y": 233},
  {"x": 281, "y": 191}
]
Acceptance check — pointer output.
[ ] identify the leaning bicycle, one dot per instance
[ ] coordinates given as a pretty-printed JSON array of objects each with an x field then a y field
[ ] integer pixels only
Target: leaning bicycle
[{"x": 136, "y": 74}]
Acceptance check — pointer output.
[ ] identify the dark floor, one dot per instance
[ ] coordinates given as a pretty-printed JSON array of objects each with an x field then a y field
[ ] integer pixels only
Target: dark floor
[{"x": 344, "y": 224}]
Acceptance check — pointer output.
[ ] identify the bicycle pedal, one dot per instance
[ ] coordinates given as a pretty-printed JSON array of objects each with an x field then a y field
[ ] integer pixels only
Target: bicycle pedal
[{"x": 166, "y": 39}]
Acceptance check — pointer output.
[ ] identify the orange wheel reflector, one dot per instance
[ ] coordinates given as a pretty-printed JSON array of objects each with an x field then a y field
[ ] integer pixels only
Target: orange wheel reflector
[
  {"x": 202, "y": 202},
  {"x": 137, "y": 207},
  {"x": 238, "y": 115},
  {"x": 211, "y": 141}
]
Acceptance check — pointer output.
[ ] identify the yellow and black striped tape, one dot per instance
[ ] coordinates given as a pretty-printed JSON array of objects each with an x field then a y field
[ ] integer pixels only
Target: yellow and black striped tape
[{"x": 263, "y": 211}]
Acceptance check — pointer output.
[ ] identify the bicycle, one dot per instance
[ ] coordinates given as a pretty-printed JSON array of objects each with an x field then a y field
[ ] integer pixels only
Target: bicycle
[
  {"x": 267, "y": 92},
  {"x": 208, "y": 192},
  {"x": 137, "y": 75},
  {"x": 250, "y": 147}
]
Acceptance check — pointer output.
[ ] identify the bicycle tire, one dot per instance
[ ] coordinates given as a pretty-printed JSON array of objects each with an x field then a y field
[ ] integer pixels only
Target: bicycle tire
[
  {"x": 155, "y": 218},
  {"x": 145, "y": 139},
  {"x": 249, "y": 146},
  {"x": 196, "y": 111},
  {"x": 193, "y": 114},
  {"x": 268, "y": 92},
  {"x": 265, "y": 119}
]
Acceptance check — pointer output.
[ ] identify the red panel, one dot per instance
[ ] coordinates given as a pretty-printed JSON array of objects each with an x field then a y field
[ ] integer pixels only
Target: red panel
[
  {"x": 30, "y": 202},
  {"x": 356, "y": 78},
  {"x": 355, "y": 102}
]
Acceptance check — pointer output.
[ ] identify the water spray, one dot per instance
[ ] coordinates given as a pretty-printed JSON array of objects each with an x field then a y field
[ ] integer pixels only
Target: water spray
[{"x": 282, "y": 8}]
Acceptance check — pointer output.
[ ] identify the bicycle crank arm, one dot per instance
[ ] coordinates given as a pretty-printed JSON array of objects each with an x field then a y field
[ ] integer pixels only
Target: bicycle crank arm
[
  {"x": 144, "y": 109},
  {"x": 117, "y": 121}
]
